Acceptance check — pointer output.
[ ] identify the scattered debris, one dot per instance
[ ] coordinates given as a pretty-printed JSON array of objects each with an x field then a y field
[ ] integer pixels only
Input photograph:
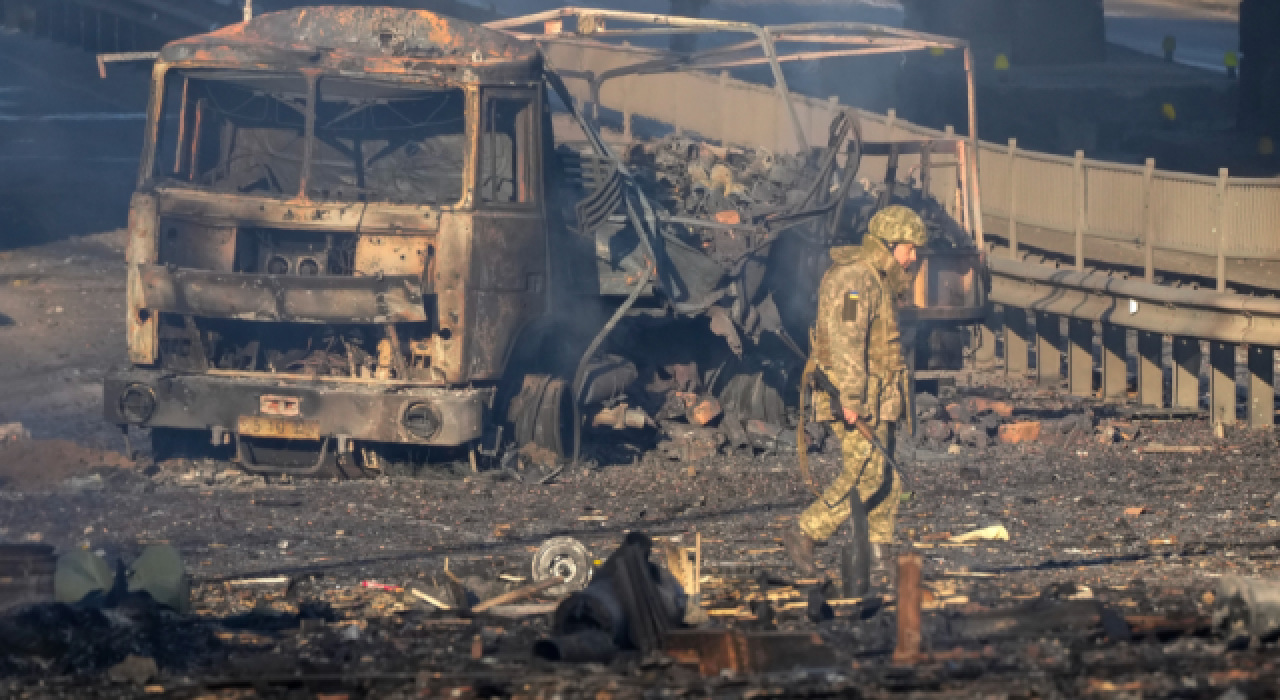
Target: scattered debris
[
  {"x": 705, "y": 411},
  {"x": 1247, "y": 607},
  {"x": 994, "y": 532},
  {"x": 518, "y": 594},
  {"x": 908, "y": 600},
  {"x": 264, "y": 581},
  {"x": 1157, "y": 448},
  {"x": 714, "y": 652},
  {"x": 430, "y": 599},
  {"x": 690, "y": 443},
  {"x": 632, "y": 601},
  {"x": 566, "y": 560},
  {"x": 134, "y": 669},
  {"x": 10, "y": 432}
]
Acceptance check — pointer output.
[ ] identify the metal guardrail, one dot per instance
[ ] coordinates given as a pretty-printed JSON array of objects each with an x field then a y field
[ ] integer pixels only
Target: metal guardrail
[
  {"x": 1043, "y": 296},
  {"x": 1135, "y": 215}
]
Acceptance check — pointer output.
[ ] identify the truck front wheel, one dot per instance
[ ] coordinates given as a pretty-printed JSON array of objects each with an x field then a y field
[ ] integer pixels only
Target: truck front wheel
[{"x": 541, "y": 413}]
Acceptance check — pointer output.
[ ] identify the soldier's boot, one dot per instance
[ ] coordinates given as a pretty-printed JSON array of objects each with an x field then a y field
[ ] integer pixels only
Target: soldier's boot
[{"x": 799, "y": 547}]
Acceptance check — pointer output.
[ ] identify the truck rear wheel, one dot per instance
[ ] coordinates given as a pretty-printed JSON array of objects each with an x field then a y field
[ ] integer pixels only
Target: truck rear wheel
[{"x": 755, "y": 396}]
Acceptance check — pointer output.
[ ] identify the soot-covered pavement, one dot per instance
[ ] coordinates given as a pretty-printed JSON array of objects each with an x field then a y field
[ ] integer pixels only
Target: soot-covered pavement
[{"x": 1106, "y": 522}]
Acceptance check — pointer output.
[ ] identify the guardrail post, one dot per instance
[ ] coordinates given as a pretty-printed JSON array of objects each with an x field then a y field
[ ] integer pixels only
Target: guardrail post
[
  {"x": 1222, "y": 382},
  {"x": 1048, "y": 348},
  {"x": 1223, "y": 214},
  {"x": 1013, "y": 198},
  {"x": 1079, "y": 357},
  {"x": 1186, "y": 372},
  {"x": 1262, "y": 394},
  {"x": 1017, "y": 334},
  {"x": 1078, "y": 211},
  {"x": 985, "y": 334},
  {"x": 1148, "y": 223},
  {"x": 1115, "y": 362},
  {"x": 1150, "y": 369}
]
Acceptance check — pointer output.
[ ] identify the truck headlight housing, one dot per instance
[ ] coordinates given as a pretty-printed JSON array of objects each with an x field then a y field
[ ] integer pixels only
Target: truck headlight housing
[
  {"x": 137, "y": 403},
  {"x": 421, "y": 420}
]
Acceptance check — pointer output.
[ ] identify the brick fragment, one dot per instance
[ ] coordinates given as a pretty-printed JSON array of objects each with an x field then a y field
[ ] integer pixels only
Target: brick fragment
[
  {"x": 958, "y": 412},
  {"x": 1022, "y": 431},
  {"x": 705, "y": 411}
]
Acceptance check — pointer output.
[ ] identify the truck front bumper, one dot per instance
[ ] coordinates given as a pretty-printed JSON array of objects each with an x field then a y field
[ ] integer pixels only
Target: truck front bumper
[{"x": 266, "y": 406}]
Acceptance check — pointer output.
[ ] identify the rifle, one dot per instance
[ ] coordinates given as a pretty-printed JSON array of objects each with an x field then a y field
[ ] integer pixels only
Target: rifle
[{"x": 837, "y": 409}]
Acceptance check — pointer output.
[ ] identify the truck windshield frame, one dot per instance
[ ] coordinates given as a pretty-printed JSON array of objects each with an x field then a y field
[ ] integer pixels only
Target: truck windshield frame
[{"x": 318, "y": 137}]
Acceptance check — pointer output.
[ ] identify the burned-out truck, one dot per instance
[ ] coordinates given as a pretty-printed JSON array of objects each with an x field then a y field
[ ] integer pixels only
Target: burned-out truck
[{"x": 372, "y": 236}]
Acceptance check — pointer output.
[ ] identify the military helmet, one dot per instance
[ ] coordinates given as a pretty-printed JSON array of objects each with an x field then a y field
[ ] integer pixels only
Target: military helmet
[{"x": 898, "y": 224}]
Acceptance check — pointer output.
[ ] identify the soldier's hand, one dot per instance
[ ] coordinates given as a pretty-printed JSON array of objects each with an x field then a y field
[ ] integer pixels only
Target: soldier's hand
[{"x": 850, "y": 417}]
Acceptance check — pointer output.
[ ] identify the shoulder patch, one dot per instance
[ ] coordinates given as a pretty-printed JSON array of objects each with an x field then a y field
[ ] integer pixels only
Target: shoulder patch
[{"x": 850, "y": 310}]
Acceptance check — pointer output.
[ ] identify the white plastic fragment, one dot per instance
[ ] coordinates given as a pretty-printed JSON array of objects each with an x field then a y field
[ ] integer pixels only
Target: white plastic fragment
[{"x": 994, "y": 532}]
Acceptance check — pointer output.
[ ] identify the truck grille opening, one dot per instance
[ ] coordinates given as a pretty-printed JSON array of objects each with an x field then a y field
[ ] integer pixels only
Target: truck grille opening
[
  {"x": 302, "y": 253},
  {"x": 255, "y": 250},
  {"x": 341, "y": 350}
]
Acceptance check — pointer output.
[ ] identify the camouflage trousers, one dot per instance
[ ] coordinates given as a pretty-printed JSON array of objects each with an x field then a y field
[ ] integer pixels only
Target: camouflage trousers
[{"x": 821, "y": 520}]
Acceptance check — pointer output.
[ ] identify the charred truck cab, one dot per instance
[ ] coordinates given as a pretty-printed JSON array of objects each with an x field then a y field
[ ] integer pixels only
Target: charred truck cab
[{"x": 337, "y": 234}]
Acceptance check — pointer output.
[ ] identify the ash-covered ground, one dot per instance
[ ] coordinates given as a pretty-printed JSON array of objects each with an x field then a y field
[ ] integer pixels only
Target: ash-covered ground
[{"x": 1103, "y": 524}]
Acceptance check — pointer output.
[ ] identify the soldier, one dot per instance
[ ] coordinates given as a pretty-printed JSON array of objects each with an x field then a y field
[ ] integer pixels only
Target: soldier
[{"x": 855, "y": 340}]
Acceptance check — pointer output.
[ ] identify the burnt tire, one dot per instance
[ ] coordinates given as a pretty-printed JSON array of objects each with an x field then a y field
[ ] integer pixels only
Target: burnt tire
[
  {"x": 541, "y": 413},
  {"x": 754, "y": 396}
]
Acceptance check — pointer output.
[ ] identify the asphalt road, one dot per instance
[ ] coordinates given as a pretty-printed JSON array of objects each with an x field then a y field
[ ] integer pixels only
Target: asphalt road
[{"x": 1204, "y": 36}]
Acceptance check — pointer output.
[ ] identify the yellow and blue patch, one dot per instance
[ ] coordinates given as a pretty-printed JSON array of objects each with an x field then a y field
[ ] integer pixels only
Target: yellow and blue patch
[{"x": 851, "y": 298}]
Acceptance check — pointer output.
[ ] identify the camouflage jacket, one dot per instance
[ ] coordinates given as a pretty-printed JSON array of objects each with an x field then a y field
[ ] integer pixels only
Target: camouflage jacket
[{"x": 855, "y": 338}]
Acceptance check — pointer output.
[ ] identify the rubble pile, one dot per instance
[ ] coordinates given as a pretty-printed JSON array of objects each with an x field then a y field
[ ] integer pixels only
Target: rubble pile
[{"x": 979, "y": 419}]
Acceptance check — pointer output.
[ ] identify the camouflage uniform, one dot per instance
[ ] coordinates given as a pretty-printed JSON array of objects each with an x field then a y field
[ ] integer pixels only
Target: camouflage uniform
[{"x": 856, "y": 341}]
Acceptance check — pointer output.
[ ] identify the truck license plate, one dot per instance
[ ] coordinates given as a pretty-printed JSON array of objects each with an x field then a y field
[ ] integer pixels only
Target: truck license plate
[{"x": 291, "y": 428}]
